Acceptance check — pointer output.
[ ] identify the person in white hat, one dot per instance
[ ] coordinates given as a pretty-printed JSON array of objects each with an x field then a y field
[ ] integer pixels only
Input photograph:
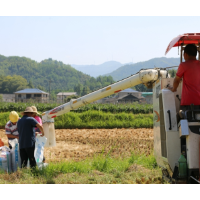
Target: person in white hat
[
  {"x": 26, "y": 128},
  {"x": 11, "y": 127}
]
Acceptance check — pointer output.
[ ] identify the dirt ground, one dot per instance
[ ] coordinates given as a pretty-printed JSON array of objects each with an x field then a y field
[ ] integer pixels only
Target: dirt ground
[{"x": 79, "y": 144}]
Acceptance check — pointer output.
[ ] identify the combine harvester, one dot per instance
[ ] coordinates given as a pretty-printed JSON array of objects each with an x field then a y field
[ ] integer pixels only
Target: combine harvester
[{"x": 176, "y": 145}]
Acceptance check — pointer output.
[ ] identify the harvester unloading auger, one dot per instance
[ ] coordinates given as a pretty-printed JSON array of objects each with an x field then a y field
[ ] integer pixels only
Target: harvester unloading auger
[{"x": 176, "y": 145}]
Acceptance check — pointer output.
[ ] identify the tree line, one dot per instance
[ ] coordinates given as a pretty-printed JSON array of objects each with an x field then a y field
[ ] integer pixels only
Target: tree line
[{"x": 11, "y": 84}]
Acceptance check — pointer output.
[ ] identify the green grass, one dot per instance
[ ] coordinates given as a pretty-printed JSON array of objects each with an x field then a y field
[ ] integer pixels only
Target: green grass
[
  {"x": 134, "y": 108},
  {"x": 96, "y": 119},
  {"x": 99, "y": 119},
  {"x": 100, "y": 169}
]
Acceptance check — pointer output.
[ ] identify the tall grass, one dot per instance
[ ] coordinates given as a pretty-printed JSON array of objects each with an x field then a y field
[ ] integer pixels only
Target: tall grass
[
  {"x": 97, "y": 119},
  {"x": 100, "y": 163},
  {"x": 99, "y": 169}
]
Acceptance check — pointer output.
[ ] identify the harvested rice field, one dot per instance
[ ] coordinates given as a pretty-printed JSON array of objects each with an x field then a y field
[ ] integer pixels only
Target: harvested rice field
[
  {"x": 79, "y": 144},
  {"x": 130, "y": 159}
]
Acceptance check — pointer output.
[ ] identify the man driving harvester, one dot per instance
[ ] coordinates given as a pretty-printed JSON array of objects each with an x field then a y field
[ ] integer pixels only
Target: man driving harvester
[{"x": 190, "y": 72}]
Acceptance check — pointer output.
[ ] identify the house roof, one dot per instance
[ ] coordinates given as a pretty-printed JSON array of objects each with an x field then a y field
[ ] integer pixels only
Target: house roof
[
  {"x": 128, "y": 90},
  {"x": 31, "y": 91},
  {"x": 66, "y": 93},
  {"x": 144, "y": 94}
]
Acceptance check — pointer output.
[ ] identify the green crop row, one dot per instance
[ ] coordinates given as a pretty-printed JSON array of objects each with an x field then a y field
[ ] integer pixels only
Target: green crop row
[
  {"x": 97, "y": 119},
  {"x": 19, "y": 107},
  {"x": 135, "y": 108}
]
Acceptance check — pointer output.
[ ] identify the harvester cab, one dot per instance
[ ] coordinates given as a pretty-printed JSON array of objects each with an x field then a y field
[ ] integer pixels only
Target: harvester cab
[{"x": 176, "y": 141}]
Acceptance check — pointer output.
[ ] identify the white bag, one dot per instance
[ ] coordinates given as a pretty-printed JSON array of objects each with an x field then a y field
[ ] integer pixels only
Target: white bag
[
  {"x": 39, "y": 148},
  {"x": 16, "y": 159},
  {"x": 5, "y": 159},
  {"x": 49, "y": 133},
  {"x": 42, "y": 165}
]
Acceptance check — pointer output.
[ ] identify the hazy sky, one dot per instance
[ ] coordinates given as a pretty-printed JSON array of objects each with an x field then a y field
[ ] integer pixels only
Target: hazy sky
[{"x": 92, "y": 40}]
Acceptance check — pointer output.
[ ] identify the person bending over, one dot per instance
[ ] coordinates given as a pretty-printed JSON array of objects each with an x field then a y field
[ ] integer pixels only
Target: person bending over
[
  {"x": 26, "y": 128},
  {"x": 11, "y": 127}
]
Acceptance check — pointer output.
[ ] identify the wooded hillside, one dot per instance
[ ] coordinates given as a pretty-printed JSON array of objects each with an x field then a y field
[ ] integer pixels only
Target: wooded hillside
[{"x": 38, "y": 74}]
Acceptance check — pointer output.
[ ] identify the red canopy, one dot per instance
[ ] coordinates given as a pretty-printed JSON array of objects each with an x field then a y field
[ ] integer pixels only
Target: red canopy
[{"x": 187, "y": 38}]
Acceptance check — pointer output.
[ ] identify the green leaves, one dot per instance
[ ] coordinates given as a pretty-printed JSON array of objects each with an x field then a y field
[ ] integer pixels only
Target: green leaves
[
  {"x": 134, "y": 108},
  {"x": 99, "y": 119},
  {"x": 11, "y": 84},
  {"x": 172, "y": 72},
  {"x": 19, "y": 107}
]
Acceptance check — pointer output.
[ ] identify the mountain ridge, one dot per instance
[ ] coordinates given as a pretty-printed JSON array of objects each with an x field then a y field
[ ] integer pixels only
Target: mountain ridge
[
  {"x": 98, "y": 70},
  {"x": 126, "y": 70}
]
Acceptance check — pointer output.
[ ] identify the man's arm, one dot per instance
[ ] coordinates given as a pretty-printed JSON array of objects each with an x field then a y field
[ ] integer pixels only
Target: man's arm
[
  {"x": 12, "y": 136},
  {"x": 41, "y": 128},
  {"x": 176, "y": 82},
  {"x": 8, "y": 133}
]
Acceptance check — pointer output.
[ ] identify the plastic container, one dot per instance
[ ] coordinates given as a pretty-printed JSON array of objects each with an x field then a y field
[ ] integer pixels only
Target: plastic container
[{"x": 182, "y": 167}]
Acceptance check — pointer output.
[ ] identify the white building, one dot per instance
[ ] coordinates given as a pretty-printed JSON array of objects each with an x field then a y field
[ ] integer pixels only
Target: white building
[
  {"x": 61, "y": 96},
  {"x": 31, "y": 94}
]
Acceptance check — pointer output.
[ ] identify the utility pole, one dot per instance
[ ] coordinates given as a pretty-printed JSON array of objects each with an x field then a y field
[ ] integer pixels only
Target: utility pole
[{"x": 50, "y": 81}]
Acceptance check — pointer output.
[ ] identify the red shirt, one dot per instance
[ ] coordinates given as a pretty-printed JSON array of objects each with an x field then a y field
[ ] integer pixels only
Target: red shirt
[{"x": 190, "y": 71}]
